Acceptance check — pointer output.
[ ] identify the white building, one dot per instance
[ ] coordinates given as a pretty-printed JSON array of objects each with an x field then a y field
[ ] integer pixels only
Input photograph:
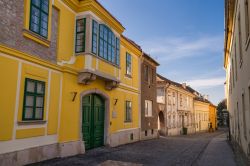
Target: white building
[
  {"x": 176, "y": 103},
  {"x": 237, "y": 66}
]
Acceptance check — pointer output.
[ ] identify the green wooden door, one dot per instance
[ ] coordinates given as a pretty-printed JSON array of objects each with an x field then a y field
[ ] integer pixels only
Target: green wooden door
[{"x": 93, "y": 121}]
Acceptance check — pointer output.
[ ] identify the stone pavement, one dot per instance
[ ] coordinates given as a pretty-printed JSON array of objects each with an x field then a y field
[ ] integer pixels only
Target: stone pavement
[
  {"x": 189, "y": 150},
  {"x": 218, "y": 153}
]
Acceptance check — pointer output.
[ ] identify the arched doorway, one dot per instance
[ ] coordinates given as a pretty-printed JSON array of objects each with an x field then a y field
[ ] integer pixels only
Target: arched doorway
[
  {"x": 161, "y": 123},
  {"x": 93, "y": 117}
]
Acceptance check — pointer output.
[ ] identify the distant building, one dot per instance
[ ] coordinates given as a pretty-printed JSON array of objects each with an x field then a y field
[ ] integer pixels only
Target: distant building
[
  {"x": 175, "y": 104},
  {"x": 213, "y": 116},
  {"x": 237, "y": 66},
  {"x": 149, "y": 115},
  {"x": 201, "y": 110}
]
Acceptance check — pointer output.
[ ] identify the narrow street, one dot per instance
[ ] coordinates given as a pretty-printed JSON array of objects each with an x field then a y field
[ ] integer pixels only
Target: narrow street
[{"x": 206, "y": 149}]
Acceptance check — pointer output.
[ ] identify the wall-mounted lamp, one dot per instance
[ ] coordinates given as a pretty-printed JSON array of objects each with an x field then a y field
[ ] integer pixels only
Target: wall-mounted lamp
[
  {"x": 73, "y": 95},
  {"x": 116, "y": 100}
]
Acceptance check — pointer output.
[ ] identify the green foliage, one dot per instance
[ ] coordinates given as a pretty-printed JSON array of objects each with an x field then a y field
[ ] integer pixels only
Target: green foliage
[{"x": 222, "y": 105}]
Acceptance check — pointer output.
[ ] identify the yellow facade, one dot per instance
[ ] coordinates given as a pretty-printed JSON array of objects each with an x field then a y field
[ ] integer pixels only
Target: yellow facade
[
  {"x": 201, "y": 110},
  {"x": 213, "y": 116},
  {"x": 62, "y": 116}
]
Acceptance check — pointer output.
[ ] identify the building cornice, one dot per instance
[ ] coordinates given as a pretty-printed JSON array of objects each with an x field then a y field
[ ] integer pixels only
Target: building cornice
[
  {"x": 96, "y": 8},
  {"x": 134, "y": 49},
  {"x": 230, "y": 8}
]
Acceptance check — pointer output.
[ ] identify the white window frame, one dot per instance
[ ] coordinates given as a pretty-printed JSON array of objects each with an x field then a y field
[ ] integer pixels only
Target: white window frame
[{"x": 148, "y": 108}]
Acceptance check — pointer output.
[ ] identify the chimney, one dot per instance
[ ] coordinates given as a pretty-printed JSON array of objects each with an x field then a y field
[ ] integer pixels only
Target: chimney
[
  {"x": 184, "y": 85},
  {"x": 206, "y": 97}
]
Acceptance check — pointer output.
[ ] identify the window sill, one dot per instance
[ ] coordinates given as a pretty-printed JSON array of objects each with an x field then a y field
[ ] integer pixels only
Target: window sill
[
  {"x": 127, "y": 122},
  {"x": 128, "y": 76},
  {"x": 31, "y": 122},
  {"x": 35, "y": 37}
]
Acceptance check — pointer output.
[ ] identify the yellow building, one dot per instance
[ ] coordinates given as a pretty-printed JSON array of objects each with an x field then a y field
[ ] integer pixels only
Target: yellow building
[
  {"x": 70, "y": 80},
  {"x": 213, "y": 116},
  {"x": 201, "y": 109}
]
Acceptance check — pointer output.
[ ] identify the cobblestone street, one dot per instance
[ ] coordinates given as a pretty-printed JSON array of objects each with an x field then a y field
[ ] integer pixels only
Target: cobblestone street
[{"x": 197, "y": 149}]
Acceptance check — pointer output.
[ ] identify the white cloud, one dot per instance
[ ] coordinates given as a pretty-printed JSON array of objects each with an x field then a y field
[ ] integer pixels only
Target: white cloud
[
  {"x": 206, "y": 82},
  {"x": 171, "y": 48}
]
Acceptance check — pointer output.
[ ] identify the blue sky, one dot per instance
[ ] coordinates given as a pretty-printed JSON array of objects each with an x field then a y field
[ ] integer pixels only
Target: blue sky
[{"x": 184, "y": 36}]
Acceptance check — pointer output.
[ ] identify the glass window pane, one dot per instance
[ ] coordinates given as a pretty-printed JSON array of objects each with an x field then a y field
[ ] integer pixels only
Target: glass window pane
[
  {"x": 44, "y": 17},
  {"x": 101, "y": 31},
  {"x": 79, "y": 36},
  {"x": 79, "y": 48},
  {"x": 36, "y": 2},
  {"x": 118, "y": 57},
  {"x": 39, "y": 113},
  {"x": 113, "y": 54},
  {"x": 44, "y": 25},
  {"x": 79, "y": 28},
  {"x": 80, "y": 25},
  {"x": 28, "y": 113},
  {"x": 109, "y": 53},
  {"x": 45, "y": 8},
  {"x": 105, "y": 37},
  {"x": 79, "y": 42},
  {"x": 94, "y": 50},
  {"x": 110, "y": 37},
  {"x": 105, "y": 47},
  {"x": 117, "y": 43},
  {"x": 34, "y": 27},
  {"x": 39, "y": 102},
  {"x": 94, "y": 39},
  {"x": 30, "y": 86},
  {"x": 44, "y": 32},
  {"x": 29, "y": 101},
  {"x": 34, "y": 19},
  {"x": 35, "y": 12},
  {"x": 40, "y": 88}
]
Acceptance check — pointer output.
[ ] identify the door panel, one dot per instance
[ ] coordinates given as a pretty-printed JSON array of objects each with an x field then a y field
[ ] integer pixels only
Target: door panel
[
  {"x": 98, "y": 121},
  {"x": 86, "y": 121},
  {"x": 93, "y": 121}
]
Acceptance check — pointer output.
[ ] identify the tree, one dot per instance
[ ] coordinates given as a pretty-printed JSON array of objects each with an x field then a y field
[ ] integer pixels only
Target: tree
[{"x": 222, "y": 105}]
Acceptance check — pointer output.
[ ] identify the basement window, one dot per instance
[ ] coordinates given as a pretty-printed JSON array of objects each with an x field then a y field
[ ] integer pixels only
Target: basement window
[{"x": 131, "y": 136}]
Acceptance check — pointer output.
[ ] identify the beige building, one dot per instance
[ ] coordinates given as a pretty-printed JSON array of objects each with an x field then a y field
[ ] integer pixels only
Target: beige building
[
  {"x": 201, "y": 110},
  {"x": 175, "y": 101},
  {"x": 237, "y": 66}
]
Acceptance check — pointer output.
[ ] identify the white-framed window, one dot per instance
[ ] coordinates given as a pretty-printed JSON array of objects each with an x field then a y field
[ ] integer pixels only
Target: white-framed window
[
  {"x": 160, "y": 95},
  {"x": 169, "y": 98},
  {"x": 173, "y": 94},
  {"x": 128, "y": 111},
  {"x": 148, "y": 108},
  {"x": 128, "y": 64},
  {"x": 181, "y": 100}
]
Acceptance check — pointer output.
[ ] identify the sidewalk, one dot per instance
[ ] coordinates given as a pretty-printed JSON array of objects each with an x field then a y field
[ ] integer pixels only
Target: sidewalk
[{"x": 218, "y": 153}]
